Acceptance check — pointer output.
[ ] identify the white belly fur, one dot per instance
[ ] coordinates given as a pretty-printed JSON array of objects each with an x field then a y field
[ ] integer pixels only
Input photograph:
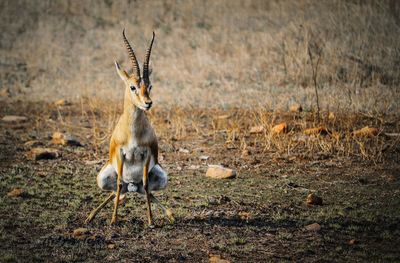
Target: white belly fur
[{"x": 133, "y": 165}]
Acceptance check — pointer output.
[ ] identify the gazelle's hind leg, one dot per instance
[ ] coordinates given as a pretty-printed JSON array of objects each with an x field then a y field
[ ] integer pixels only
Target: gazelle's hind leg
[
  {"x": 106, "y": 180},
  {"x": 158, "y": 179},
  {"x": 167, "y": 212},
  {"x": 97, "y": 209}
]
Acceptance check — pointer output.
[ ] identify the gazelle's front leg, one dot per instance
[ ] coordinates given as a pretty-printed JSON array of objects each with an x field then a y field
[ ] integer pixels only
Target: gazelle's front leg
[
  {"x": 146, "y": 188},
  {"x": 120, "y": 164}
]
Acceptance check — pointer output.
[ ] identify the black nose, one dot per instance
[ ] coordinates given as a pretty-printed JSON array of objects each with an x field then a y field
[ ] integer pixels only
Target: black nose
[{"x": 148, "y": 104}]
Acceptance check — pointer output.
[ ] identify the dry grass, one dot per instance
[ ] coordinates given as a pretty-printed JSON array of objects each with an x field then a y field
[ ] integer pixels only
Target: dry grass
[
  {"x": 208, "y": 54},
  {"x": 97, "y": 119}
]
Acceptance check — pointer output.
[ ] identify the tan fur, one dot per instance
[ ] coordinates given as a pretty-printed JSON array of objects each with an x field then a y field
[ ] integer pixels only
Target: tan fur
[
  {"x": 122, "y": 134},
  {"x": 133, "y": 133}
]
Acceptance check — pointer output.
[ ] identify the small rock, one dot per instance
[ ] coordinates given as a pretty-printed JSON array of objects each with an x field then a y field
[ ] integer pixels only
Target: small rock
[
  {"x": 313, "y": 227},
  {"x": 220, "y": 200},
  {"x": 295, "y": 108},
  {"x": 194, "y": 167},
  {"x": 16, "y": 192},
  {"x": 353, "y": 242},
  {"x": 43, "y": 153},
  {"x": 217, "y": 259},
  {"x": 65, "y": 139},
  {"x": 81, "y": 232},
  {"x": 280, "y": 128},
  {"x": 366, "y": 132},
  {"x": 220, "y": 172},
  {"x": 204, "y": 157},
  {"x": 315, "y": 131},
  {"x": 62, "y": 102},
  {"x": 182, "y": 150},
  {"x": 14, "y": 119},
  {"x": 256, "y": 129},
  {"x": 331, "y": 116},
  {"x": 111, "y": 246},
  {"x": 313, "y": 199}
]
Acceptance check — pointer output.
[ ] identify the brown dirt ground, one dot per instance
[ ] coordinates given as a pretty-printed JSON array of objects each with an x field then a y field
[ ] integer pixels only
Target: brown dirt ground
[{"x": 258, "y": 216}]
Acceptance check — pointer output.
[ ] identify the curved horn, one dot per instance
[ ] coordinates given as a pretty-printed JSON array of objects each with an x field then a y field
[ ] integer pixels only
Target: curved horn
[
  {"x": 135, "y": 65},
  {"x": 146, "y": 62}
]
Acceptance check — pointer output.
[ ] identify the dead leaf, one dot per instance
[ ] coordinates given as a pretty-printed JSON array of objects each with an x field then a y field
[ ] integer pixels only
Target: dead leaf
[
  {"x": 244, "y": 215},
  {"x": 16, "y": 192},
  {"x": 81, "y": 232},
  {"x": 279, "y": 128},
  {"x": 315, "y": 131},
  {"x": 65, "y": 139}
]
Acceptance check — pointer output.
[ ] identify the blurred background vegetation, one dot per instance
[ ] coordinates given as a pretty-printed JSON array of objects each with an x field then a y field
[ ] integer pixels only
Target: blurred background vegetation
[{"x": 207, "y": 53}]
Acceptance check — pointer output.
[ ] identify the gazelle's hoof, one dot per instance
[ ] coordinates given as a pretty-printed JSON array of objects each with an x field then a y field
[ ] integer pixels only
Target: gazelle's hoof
[
  {"x": 170, "y": 216},
  {"x": 122, "y": 199},
  {"x": 113, "y": 221}
]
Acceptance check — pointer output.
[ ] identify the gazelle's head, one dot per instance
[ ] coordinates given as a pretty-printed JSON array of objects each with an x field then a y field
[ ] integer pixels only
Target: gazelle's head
[{"x": 139, "y": 87}]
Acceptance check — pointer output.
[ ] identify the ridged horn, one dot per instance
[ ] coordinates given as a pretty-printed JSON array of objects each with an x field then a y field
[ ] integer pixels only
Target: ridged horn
[
  {"x": 146, "y": 62},
  {"x": 135, "y": 64}
]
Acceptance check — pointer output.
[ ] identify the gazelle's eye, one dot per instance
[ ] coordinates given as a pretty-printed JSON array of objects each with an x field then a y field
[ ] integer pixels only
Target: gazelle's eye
[
  {"x": 150, "y": 88},
  {"x": 133, "y": 88}
]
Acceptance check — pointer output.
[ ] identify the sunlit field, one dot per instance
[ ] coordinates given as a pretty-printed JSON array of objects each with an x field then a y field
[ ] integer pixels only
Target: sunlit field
[{"x": 299, "y": 98}]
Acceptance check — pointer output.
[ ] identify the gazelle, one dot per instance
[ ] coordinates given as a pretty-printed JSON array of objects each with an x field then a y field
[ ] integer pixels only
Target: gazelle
[{"x": 133, "y": 158}]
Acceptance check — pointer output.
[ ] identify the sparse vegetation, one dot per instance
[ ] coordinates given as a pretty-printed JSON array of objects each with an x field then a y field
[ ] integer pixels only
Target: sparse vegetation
[
  {"x": 261, "y": 214},
  {"x": 244, "y": 53},
  {"x": 225, "y": 75}
]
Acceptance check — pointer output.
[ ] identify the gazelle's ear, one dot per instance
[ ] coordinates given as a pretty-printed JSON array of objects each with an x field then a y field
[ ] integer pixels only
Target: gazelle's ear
[{"x": 122, "y": 73}]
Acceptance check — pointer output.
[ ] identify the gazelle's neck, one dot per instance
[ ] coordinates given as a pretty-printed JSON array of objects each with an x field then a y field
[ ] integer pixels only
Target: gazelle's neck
[{"x": 134, "y": 116}]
